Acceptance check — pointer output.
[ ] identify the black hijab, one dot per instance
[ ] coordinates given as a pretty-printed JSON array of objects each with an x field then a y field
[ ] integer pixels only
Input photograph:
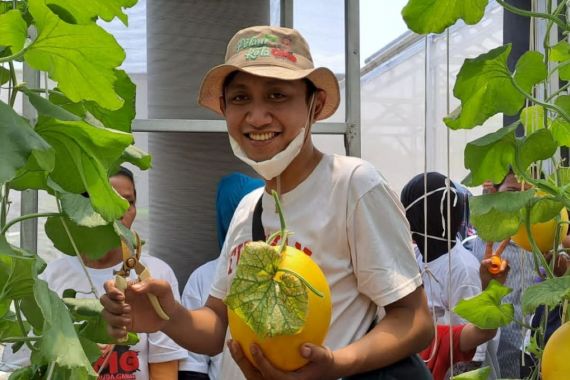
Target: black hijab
[{"x": 415, "y": 214}]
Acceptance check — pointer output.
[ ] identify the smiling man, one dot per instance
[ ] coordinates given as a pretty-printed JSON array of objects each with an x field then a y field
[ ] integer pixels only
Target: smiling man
[{"x": 341, "y": 209}]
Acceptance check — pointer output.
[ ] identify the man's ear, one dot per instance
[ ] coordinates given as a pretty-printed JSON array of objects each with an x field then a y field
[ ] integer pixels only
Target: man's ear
[
  {"x": 223, "y": 105},
  {"x": 320, "y": 99}
]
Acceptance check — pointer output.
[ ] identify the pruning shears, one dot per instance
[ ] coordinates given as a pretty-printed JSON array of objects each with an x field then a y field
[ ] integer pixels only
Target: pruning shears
[{"x": 131, "y": 260}]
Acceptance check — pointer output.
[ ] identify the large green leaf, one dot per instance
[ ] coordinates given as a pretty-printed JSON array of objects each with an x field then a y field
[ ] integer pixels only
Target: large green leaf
[
  {"x": 270, "y": 306},
  {"x": 13, "y": 30},
  {"x": 33, "y": 313},
  {"x": 86, "y": 12},
  {"x": 538, "y": 146},
  {"x": 550, "y": 292},
  {"x": 497, "y": 216},
  {"x": 490, "y": 157},
  {"x": 81, "y": 58},
  {"x": 78, "y": 207},
  {"x": 561, "y": 53},
  {"x": 94, "y": 242},
  {"x": 4, "y": 75},
  {"x": 84, "y": 154},
  {"x": 485, "y": 309},
  {"x": 9, "y": 327},
  {"x": 60, "y": 343},
  {"x": 120, "y": 119},
  {"x": 17, "y": 142},
  {"x": 485, "y": 87},
  {"x": 434, "y": 16}
]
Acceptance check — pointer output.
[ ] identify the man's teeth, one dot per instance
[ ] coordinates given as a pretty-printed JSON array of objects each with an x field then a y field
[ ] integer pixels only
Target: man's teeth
[{"x": 261, "y": 136}]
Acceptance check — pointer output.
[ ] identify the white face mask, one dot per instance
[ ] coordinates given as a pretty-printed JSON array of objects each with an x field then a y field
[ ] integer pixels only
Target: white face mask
[{"x": 273, "y": 167}]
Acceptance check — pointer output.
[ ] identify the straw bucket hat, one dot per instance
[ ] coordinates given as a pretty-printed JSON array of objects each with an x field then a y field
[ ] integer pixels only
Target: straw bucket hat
[{"x": 272, "y": 52}]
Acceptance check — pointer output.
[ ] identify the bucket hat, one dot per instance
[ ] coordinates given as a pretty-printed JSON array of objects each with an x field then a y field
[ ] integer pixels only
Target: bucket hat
[{"x": 272, "y": 52}]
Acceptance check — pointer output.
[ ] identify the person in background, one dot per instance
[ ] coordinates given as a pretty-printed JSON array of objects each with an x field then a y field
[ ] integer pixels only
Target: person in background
[
  {"x": 521, "y": 276},
  {"x": 155, "y": 356},
  {"x": 448, "y": 275},
  {"x": 466, "y": 337},
  {"x": 341, "y": 210},
  {"x": 231, "y": 189}
]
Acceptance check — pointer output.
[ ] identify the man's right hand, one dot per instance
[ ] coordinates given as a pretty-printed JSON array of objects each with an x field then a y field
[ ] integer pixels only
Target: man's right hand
[{"x": 132, "y": 311}]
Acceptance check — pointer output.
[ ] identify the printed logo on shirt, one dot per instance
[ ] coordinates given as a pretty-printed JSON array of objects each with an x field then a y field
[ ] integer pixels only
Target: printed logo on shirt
[
  {"x": 235, "y": 254},
  {"x": 121, "y": 364}
]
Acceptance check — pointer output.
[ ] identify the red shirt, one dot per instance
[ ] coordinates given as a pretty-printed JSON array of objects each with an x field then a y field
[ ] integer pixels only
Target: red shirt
[{"x": 441, "y": 361}]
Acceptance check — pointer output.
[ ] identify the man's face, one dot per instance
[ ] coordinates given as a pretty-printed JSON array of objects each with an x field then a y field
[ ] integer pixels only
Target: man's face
[
  {"x": 126, "y": 189},
  {"x": 511, "y": 184},
  {"x": 264, "y": 114}
]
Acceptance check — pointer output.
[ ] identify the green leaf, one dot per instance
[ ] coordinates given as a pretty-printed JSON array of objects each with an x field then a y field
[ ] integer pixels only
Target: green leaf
[
  {"x": 88, "y": 11},
  {"x": 434, "y": 16},
  {"x": 84, "y": 154},
  {"x": 9, "y": 327},
  {"x": 13, "y": 30},
  {"x": 136, "y": 157},
  {"x": 81, "y": 58},
  {"x": 4, "y": 75},
  {"x": 95, "y": 328},
  {"x": 490, "y": 157},
  {"x": 497, "y": 216},
  {"x": 544, "y": 209},
  {"x": 532, "y": 118},
  {"x": 26, "y": 373},
  {"x": 561, "y": 53},
  {"x": 477, "y": 374},
  {"x": 560, "y": 127},
  {"x": 550, "y": 292},
  {"x": 33, "y": 313},
  {"x": 47, "y": 108},
  {"x": 485, "y": 87},
  {"x": 269, "y": 305},
  {"x": 538, "y": 146},
  {"x": 60, "y": 343},
  {"x": 563, "y": 174},
  {"x": 94, "y": 242},
  {"x": 120, "y": 119},
  {"x": 30, "y": 176},
  {"x": 485, "y": 309},
  {"x": 78, "y": 207},
  {"x": 18, "y": 141},
  {"x": 17, "y": 271}
]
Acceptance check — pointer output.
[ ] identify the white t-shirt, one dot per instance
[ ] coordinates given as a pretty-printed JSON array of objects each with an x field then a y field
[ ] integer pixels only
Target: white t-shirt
[
  {"x": 194, "y": 296},
  {"x": 126, "y": 362},
  {"x": 353, "y": 226}
]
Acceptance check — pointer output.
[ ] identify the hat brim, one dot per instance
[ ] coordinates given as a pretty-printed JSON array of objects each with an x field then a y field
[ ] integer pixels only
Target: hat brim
[{"x": 324, "y": 79}]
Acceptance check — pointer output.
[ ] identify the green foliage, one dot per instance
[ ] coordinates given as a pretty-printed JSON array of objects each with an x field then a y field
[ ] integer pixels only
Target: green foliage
[
  {"x": 434, "y": 16},
  {"x": 549, "y": 293},
  {"x": 257, "y": 295},
  {"x": 486, "y": 87},
  {"x": 485, "y": 310},
  {"x": 81, "y": 135}
]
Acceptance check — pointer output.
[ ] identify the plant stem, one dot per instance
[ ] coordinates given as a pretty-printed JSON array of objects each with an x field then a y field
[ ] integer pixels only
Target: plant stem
[
  {"x": 77, "y": 253},
  {"x": 14, "y": 84},
  {"x": 521, "y": 12},
  {"x": 305, "y": 282},
  {"x": 535, "y": 250},
  {"x": 21, "y": 323},
  {"x": 281, "y": 221},
  {"x": 551, "y": 106},
  {"x": 50, "y": 370},
  {"x": 15, "y": 56},
  {"x": 17, "y": 339},
  {"x": 4, "y": 191},
  {"x": 26, "y": 217}
]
